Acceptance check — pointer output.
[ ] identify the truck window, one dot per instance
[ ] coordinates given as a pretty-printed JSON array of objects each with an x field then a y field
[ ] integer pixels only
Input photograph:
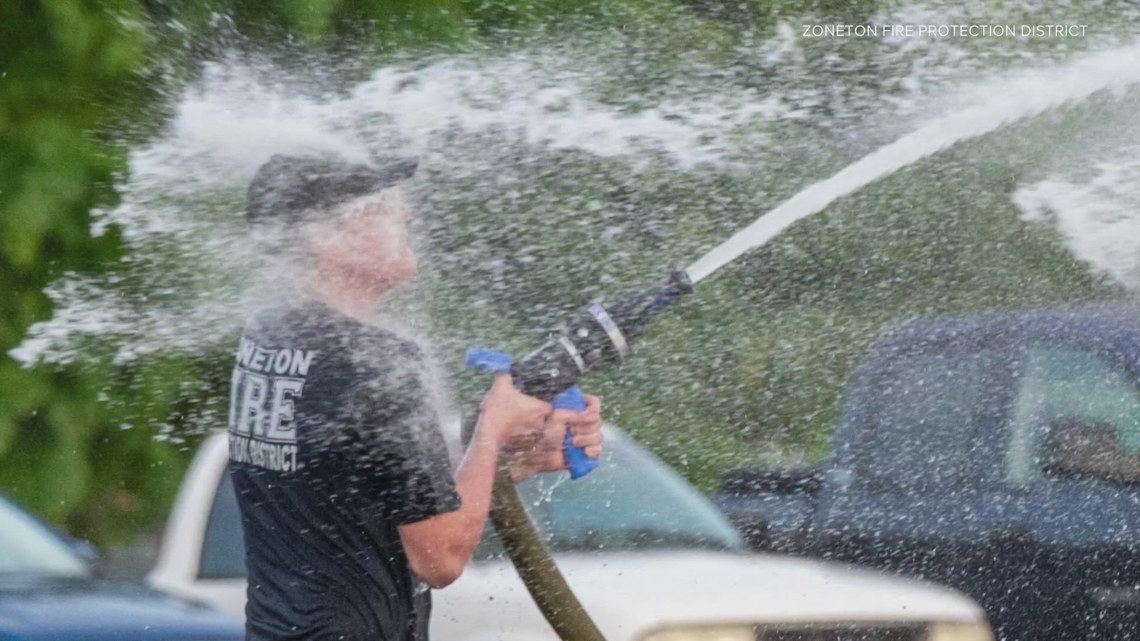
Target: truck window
[
  {"x": 1076, "y": 414},
  {"x": 223, "y": 549},
  {"x": 923, "y": 422}
]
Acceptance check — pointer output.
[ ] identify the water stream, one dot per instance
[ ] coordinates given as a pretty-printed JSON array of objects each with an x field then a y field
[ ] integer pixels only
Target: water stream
[{"x": 1012, "y": 100}]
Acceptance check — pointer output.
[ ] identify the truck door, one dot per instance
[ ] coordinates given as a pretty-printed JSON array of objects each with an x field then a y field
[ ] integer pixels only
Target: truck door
[
  {"x": 1072, "y": 458},
  {"x": 1002, "y": 459},
  {"x": 907, "y": 489}
]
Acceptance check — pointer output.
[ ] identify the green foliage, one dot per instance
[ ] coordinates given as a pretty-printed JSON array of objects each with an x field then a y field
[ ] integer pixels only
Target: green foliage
[{"x": 63, "y": 67}]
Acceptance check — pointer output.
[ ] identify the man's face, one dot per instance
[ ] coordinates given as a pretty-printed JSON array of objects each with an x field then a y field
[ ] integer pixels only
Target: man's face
[{"x": 366, "y": 243}]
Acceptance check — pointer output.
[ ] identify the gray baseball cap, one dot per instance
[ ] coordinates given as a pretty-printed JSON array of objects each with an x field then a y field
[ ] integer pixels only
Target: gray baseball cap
[{"x": 287, "y": 188}]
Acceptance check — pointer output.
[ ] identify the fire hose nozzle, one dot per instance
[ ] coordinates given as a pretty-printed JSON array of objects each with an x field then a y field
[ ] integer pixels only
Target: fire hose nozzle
[
  {"x": 578, "y": 462},
  {"x": 600, "y": 335}
]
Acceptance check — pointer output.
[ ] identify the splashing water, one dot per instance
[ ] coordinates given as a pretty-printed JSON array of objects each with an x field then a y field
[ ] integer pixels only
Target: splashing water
[
  {"x": 1097, "y": 218},
  {"x": 1023, "y": 98},
  {"x": 547, "y": 111},
  {"x": 181, "y": 209},
  {"x": 189, "y": 271},
  {"x": 547, "y": 487}
]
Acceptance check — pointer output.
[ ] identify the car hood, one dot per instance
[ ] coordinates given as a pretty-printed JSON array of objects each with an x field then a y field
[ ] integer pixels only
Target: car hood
[
  {"x": 628, "y": 594},
  {"x": 97, "y": 610}
]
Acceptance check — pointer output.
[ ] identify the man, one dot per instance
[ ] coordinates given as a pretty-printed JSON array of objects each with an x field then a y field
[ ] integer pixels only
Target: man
[{"x": 348, "y": 501}]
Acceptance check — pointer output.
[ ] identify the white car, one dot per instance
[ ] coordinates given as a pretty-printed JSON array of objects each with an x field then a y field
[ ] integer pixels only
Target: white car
[{"x": 650, "y": 558}]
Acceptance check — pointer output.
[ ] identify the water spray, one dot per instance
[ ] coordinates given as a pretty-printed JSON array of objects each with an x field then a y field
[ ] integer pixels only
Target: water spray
[{"x": 602, "y": 334}]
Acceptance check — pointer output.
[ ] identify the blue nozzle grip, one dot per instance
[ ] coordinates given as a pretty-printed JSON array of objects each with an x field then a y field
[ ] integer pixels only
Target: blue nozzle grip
[
  {"x": 577, "y": 462},
  {"x": 489, "y": 360}
]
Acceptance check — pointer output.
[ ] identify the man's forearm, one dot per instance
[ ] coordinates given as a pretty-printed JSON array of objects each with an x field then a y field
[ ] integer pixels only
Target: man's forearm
[
  {"x": 438, "y": 548},
  {"x": 475, "y": 480}
]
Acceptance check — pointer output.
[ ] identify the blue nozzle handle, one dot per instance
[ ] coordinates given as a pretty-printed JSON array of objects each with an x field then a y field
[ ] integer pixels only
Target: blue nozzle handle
[
  {"x": 576, "y": 460},
  {"x": 488, "y": 360}
]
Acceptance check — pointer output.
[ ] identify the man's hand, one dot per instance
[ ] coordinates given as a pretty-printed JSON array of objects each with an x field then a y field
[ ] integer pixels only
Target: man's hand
[
  {"x": 511, "y": 416},
  {"x": 542, "y": 451}
]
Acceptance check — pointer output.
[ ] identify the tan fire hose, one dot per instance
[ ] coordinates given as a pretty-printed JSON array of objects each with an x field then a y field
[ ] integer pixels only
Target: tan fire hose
[{"x": 532, "y": 560}]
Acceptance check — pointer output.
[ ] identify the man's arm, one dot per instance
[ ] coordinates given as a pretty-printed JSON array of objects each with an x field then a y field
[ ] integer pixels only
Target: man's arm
[{"x": 438, "y": 548}]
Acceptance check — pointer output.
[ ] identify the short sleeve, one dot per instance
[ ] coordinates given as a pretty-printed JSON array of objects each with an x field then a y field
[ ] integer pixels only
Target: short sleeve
[{"x": 393, "y": 448}]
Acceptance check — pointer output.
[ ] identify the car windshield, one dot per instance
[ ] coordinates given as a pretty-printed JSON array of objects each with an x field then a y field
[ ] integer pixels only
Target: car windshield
[
  {"x": 632, "y": 501},
  {"x": 27, "y": 548}
]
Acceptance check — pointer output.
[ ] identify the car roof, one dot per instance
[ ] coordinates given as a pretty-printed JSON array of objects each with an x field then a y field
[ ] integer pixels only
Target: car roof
[{"x": 1108, "y": 320}]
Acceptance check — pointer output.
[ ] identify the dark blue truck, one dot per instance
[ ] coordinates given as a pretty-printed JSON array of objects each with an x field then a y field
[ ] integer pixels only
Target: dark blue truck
[{"x": 996, "y": 453}]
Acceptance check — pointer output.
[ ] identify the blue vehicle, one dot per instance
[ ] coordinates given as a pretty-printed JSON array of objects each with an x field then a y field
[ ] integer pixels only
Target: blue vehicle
[
  {"x": 995, "y": 453},
  {"x": 48, "y": 590}
]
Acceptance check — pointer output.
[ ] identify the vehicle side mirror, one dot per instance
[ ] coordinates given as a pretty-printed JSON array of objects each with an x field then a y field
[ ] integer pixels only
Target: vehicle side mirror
[{"x": 795, "y": 480}]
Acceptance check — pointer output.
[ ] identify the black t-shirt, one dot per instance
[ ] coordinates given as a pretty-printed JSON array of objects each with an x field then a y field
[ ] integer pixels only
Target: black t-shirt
[{"x": 334, "y": 441}]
